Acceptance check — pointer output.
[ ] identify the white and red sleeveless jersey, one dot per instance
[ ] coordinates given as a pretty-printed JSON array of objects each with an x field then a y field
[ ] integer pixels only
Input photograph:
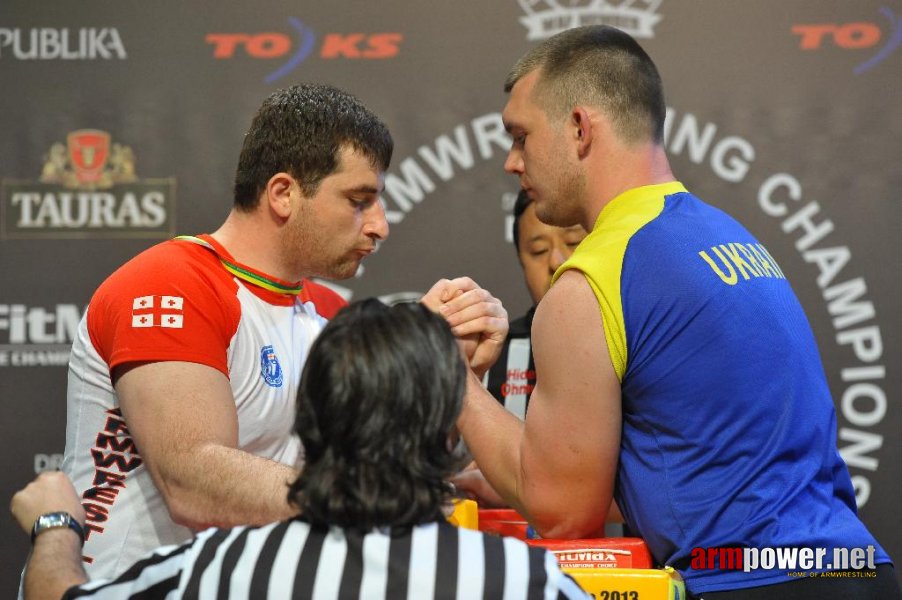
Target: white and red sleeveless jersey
[{"x": 182, "y": 300}]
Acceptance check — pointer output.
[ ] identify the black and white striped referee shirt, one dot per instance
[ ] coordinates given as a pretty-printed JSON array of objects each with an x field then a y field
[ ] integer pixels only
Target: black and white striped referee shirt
[{"x": 290, "y": 559}]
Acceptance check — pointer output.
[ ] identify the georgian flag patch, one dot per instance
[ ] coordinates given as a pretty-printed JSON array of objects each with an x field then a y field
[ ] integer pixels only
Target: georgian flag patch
[{"x": 158, "y": 311}]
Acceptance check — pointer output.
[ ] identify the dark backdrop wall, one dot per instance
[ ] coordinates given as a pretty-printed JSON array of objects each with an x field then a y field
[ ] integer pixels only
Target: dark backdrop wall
[{"x": 121, "y": 124}]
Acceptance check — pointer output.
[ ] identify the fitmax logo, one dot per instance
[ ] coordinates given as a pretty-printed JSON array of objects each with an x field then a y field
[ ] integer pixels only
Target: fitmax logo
[
  {"x": 301, "y": 44},
  {"x": 37, "y": 325},
  {"x": 37, "y": 336},
  {"x": 853, "y": 36}
]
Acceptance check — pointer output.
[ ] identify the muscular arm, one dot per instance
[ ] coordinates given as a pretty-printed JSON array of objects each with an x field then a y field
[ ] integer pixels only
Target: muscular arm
[
  {"x": 183, "y": 420},
  {"x": 558, "y": 467}
]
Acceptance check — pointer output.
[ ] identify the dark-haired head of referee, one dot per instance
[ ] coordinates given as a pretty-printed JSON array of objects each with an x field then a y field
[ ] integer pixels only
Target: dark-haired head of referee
[{"x": 377, "y": 405}]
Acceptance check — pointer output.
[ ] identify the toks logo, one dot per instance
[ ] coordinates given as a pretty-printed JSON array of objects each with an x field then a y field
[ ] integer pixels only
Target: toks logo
[
  {"x": 272, "y": 45},
  {"x": 87, "y": 188},
  {"x": 853, "y": 36}
]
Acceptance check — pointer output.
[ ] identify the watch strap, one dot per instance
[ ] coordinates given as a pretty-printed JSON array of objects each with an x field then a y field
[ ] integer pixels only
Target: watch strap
[{"x": 57, "y": 520}]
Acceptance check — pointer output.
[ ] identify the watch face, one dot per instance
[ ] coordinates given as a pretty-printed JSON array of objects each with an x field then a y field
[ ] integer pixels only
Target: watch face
[
  {"x": 56, "y": 520},
  {"x": 53, "y": 520}
]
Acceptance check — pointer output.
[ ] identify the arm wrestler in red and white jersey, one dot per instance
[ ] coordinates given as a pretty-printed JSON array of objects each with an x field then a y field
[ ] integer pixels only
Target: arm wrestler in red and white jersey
[{"x": 184, "y": 373}]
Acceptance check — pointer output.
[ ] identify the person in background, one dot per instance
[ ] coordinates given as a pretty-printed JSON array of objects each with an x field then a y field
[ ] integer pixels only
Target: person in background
[
  {"x": 376, "y": 410},
  {"x": 541, "y": 249}
]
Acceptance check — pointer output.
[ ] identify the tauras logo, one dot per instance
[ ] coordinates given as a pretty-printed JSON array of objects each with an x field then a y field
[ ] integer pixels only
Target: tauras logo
[
  {"x": 545, "y": 18},
  {"x": 37, "y": 336},
  {"x": 88, "y": 188},
  {"x": 46, "y": 43}
]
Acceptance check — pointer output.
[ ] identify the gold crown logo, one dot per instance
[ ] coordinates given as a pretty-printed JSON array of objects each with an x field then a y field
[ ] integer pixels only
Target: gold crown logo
[
  {"x": 545, "y": 18},
  {"x": 88, "y": 161}
]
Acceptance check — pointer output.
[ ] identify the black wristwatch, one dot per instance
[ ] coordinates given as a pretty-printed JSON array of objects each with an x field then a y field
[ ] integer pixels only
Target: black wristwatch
[{"x": 55, "y": 520}]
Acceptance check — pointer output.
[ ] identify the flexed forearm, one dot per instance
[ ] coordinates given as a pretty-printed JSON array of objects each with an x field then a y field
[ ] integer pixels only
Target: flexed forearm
[{"x": 220, "y": 486}]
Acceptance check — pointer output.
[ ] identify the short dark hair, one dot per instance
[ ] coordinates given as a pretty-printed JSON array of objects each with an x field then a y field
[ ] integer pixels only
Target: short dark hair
[
  {"x": 301, "y": 130},
  {"x": 601, "y": 66},
  {"x": 378, "y": 400},
  {"x": 520, "y": 206}
]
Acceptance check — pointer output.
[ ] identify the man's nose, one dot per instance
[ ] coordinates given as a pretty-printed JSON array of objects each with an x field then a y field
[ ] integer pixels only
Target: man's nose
[
  {"x": 376, "y": 225},
  {"x": 514, "y": 162}
]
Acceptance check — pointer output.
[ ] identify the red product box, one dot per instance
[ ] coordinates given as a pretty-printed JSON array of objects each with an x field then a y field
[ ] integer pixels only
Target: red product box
[
  {"x": 591, "y": 553},
  {"x": 598, "y": 553}
]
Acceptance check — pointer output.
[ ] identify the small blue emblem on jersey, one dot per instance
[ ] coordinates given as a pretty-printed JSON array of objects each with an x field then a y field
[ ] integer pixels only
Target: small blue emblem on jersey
[{"x": 270, "y": 368}]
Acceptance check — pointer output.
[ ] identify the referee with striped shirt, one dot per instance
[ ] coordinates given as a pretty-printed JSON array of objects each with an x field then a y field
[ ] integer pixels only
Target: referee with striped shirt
[{"x": 377, "y": 405}]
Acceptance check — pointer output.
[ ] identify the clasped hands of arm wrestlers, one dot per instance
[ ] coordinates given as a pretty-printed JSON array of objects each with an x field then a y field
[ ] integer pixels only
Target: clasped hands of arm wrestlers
[{"x": 477, "y": 319}]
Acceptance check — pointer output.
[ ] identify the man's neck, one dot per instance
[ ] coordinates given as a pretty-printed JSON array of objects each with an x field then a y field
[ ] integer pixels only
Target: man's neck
[
  {"x": 647, "y": 165},
  {"x": 253, "y": 242}
]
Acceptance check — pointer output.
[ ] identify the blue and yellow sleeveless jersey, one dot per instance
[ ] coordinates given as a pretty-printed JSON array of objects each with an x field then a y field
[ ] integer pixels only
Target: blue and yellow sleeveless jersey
[{"x": 729, "y": 429}]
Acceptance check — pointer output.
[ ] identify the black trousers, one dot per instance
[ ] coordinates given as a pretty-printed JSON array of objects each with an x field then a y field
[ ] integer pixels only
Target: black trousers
[{"x": 883, "y": 586}]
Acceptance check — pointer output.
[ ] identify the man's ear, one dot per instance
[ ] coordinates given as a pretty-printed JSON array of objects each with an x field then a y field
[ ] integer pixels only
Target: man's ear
[
  {"x": 583, "y": 129},
  {"x": 278, "y": 194}
]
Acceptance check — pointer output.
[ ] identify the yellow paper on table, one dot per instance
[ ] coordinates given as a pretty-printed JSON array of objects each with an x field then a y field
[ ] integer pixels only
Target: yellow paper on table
[{"x": 630, "y": 584}]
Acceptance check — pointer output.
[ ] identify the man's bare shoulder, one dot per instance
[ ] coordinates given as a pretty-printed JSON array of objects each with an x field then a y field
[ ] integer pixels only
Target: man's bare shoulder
[
  {"x": 568, "y": 332},
  {"x": 570, "y": 300}
]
